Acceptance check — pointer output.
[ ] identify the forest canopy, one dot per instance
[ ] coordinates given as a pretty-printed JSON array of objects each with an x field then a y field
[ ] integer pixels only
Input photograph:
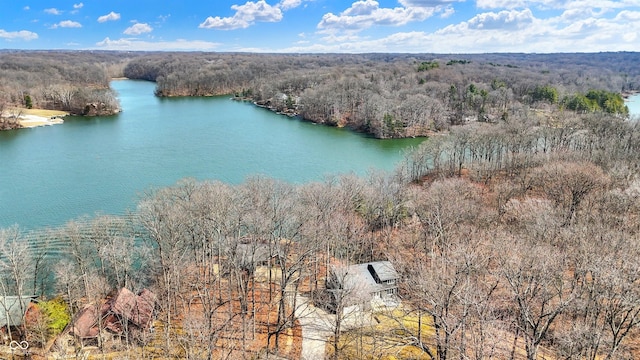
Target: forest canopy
[
  {"x": 514, "y": 233},
  {"x": 400, "y": 95},
  {"x": 386, "y": 95}
]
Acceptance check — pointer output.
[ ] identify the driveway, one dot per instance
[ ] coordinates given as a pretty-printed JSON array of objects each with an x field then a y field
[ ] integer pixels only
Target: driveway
[{"x": 317, "y": 326}]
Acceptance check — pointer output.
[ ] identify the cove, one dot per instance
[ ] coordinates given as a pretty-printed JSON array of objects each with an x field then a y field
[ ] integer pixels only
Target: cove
[
  {"x": 102, "y": 165},
  {"x": 633, "y": 103}
]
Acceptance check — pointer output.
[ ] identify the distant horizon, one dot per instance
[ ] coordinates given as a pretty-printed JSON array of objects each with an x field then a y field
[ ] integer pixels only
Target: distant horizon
[
  {"x": 325, "y": 27},
  {"x": 320, "y": 53}
]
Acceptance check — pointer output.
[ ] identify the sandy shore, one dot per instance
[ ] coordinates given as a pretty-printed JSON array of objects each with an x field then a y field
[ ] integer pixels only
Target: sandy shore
[
  {"x": 29, "y": 121},
  {"x": 37, "y": 117}
]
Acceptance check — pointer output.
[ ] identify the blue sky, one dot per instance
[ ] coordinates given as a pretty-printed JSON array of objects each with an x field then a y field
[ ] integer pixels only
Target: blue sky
[{"x": 407, "y": 26}]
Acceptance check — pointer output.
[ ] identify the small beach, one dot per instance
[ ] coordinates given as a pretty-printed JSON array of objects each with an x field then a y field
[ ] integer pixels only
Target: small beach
[{"x": 30, "y": 118}]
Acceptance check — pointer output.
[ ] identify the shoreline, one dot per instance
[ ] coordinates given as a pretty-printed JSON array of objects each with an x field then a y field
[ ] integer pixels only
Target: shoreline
[
  {"x": 30, "y": 118},
  {"x": 31, "y": 121}
]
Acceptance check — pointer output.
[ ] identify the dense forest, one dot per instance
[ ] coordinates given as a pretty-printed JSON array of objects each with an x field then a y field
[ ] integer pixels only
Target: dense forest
[
  {"x": 515, "y": 234},
  {"x": 75, "y": 82},
  {"x": 396, "y": 95},
  {"x": 386, "y": 95}
]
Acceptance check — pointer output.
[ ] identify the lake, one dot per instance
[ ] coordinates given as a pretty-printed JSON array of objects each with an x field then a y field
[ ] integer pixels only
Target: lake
[
  {"x": 53, "y": 174},
  {"x": 633, "y": 103}
]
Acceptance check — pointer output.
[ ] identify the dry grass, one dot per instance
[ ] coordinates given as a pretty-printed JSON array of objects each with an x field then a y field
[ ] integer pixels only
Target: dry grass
[
  {"x": 387, "y": 339},
  {"x": 43, "y": 112}
]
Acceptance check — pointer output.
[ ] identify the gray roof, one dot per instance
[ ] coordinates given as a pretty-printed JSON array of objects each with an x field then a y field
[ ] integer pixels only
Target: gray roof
[
  {"x": 12, "y": 309},
  {"x": 360, "y": 281},
  {"x": 385, "y": 270}
]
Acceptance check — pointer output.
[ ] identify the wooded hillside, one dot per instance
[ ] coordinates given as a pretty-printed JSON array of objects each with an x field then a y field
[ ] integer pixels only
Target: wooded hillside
[
  {"x": 386, "y": 95},
  {"x": 399, "y": 95},
  {"x": 75, "y": 82},
  {"x": 514, "y": 238}
]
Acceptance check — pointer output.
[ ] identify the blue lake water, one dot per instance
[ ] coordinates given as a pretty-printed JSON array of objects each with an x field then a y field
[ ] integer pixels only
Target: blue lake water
[
  {"x": 53, "y": 174},
  {"x": 633, "y": 103}
]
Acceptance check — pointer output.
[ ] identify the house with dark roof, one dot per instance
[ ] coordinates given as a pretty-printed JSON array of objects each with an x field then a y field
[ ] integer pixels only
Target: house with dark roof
[{"x": 360, "y": 284}]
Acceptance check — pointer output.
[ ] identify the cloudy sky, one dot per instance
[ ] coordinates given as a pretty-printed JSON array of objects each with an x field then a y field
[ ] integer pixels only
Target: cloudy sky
[{"x": 408, "y": 26}]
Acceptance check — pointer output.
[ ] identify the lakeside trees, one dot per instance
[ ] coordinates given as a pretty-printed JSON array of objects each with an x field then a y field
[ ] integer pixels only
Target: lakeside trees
[
  {"x": 510, "y": 240},
  {"x": 514, "y": 237},
  {"x": 76, "y": 82},
  {"x": 386, "y": 95},
  {"x": 399, "y": 95}
]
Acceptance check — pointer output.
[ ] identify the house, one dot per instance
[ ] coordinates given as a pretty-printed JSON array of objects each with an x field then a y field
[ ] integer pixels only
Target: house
[
  {"x": 249, "y": 256},
  {"x": 128, "y": 310},
  {"x": 362, "y": 284},
  {"x": 123, "y": 312},
  {"x": 13, "y": 309}
]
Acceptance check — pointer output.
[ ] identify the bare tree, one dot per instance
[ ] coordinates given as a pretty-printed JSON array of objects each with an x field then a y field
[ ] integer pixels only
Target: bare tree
[
  {"x": 569, "y": 183},
  {"x": 16, "y": 271},
  {"x": 164, "y": 222},
  {"x": 540, "y": 288}
]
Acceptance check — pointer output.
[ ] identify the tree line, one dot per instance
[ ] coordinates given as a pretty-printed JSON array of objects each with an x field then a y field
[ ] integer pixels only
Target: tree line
[
  {"x": 399, "y": 95},
  {"x": 386, "y": 95},
  {"x": 75, "y": 82}
]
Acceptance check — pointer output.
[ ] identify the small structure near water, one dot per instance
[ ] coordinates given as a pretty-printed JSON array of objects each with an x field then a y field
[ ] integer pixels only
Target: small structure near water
[{"x": 12, "y": 313}]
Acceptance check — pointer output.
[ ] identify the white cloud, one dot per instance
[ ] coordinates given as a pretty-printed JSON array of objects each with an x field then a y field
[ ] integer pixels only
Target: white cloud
[
  {"x": 137, "y": 45},
  {"x": 18, "y": 35},
  {"x": 500, "y": 4},
  {"x": 576, "y": 14},
  {"x": 504, "y": 20},
  {"x": 447, "y": 12},
  {"x": 26, "y": 8},
  {"x": 112, "y": 16},
  {"x": 67, "y": 24},
  {"x": 246, "y": 15},
  {"x": 503, "y": 31},
  {"x": 556, "y": 4},
  {"x": 362, "y": 8},
  {"x": 289, "y": 4},
  {"x": 228, "y": 23},
  {"x": 76, "y": 8},
  {"x": 366, "y": 13},
  {"x": 626, "y": 15},
  {"x": 137, "y": 29},
  {"x": 343, "y": 38},
  {"x": 427, "y": 3},
  {"x": 53, "y": 11}
]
